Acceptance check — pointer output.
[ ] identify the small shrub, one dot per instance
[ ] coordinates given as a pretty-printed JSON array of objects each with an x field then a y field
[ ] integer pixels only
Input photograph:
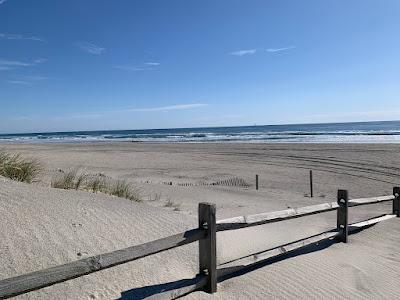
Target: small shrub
[{"x": 18, "y": 168}]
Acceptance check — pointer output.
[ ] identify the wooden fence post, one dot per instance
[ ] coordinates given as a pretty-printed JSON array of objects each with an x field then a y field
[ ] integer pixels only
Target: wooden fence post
[
  {"x": 257, "y": 182},
  {"x": 311, "y": 185},
  {"x": 208, "y": 246},
  {"x": 396, "y": 201},
  {"x": 343, "y": 216}
]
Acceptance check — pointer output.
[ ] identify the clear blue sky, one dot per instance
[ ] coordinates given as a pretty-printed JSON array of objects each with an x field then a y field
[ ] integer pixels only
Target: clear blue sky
[{"x": 93, "y": 64}]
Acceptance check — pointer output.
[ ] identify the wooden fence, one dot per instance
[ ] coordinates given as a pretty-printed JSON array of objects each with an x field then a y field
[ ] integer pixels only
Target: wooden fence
[{"x": 206, "y": 235}]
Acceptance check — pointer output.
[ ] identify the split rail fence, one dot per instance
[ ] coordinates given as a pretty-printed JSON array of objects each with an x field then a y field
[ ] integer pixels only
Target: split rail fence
[{"x": 206, "y": 234}]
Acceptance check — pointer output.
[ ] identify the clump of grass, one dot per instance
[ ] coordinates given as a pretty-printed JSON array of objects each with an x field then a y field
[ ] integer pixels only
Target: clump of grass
[
  {"x": 70, "y": 179},
  {"x": 80, "y": 180},
  {"x": 73, "y": 179},
  {"x": 97, "y": 183},
  {"x": 122, "y": 189},
  {"x": 15, "y": 167}
]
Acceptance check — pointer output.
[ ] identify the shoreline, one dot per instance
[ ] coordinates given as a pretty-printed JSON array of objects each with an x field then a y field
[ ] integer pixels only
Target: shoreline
[
  {"x": 367, "y": 132},
  {"x": 99, "y": 142}
]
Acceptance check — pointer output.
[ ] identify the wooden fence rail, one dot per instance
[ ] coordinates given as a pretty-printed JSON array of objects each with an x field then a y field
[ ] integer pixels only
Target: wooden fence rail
[
  {"x": 206, "y": 235},
  {"x": 40, "y": 279},
  {"x": 291, "y": 213}
]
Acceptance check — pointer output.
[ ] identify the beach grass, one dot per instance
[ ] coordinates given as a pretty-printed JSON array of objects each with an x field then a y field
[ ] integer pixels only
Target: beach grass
[
  {"x": 122, "y": 189},
  {"x": 67, "y": 180},
  {"x": 71, "y": 179},
  {"x": 18, "y": 168},
  {"x": 95, "y": 183}
]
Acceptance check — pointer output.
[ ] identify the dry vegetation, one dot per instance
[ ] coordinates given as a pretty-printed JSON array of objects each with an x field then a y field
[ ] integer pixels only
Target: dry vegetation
[
  {"x": 74, "y": 179},
  {"x": 15, "y": 167}
]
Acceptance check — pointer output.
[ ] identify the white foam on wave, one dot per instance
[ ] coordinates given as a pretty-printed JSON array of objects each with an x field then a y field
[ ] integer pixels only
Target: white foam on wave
[{"x": 234, "y": 135}]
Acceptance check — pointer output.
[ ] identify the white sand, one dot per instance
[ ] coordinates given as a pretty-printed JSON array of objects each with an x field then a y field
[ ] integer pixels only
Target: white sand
[{"x": 43, "y": 227}]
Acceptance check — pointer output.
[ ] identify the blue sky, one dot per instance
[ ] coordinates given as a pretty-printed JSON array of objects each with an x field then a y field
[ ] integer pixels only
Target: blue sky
[{"x": 87, "y": 65}]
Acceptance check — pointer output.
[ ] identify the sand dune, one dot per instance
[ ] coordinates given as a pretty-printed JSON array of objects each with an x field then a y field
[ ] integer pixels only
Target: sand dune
[{"x": 42, "y": 226}]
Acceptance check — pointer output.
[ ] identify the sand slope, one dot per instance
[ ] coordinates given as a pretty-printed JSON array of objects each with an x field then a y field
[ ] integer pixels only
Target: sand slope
[{"x": 43, "y": 227}]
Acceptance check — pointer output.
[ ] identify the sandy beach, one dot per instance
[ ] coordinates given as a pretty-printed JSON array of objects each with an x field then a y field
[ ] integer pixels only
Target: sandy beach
[
  {"x": 199, "y": 150},
  {"x": 43, "y": 226}
]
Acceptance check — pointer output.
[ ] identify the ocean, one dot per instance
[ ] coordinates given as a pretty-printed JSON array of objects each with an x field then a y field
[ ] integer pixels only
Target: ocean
[{"x": 361, "y": 132}]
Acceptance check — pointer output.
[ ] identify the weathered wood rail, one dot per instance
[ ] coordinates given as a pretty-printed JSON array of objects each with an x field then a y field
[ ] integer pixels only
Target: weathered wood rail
[
  {"x": 206, "y": 235},
  {"x": 291, "y": 213}
]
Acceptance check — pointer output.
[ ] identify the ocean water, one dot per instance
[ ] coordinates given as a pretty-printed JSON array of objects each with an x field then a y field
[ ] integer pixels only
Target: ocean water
[{"x": 365, "y": 132}]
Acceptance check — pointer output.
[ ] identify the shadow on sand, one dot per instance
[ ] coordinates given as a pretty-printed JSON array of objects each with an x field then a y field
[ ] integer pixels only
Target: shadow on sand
[{"x": 147, "y": 291}]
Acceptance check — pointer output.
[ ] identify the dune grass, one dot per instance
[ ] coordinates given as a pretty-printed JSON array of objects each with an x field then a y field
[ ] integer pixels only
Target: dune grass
[
  {"x": 122, "y": 189},
  {"x": 68, "y": 180},
  {"x": 96, "y": 183},
  {"x": 18, "y": 168}
]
